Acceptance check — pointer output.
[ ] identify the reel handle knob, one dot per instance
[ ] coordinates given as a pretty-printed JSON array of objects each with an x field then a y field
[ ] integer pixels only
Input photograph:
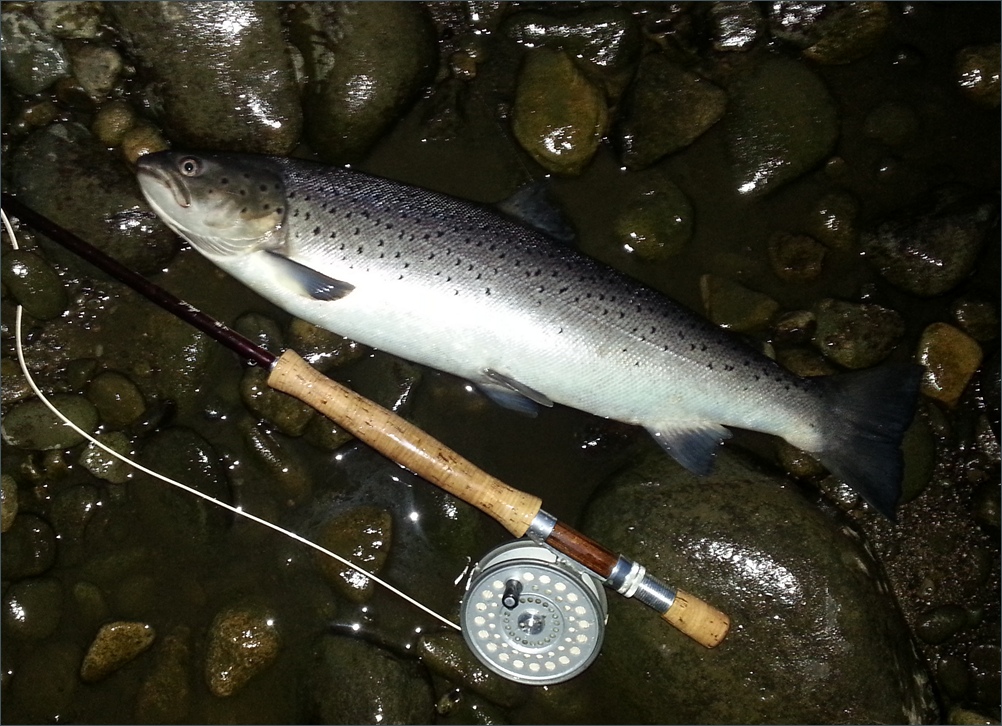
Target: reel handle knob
[{"x": 698, "y": 619}]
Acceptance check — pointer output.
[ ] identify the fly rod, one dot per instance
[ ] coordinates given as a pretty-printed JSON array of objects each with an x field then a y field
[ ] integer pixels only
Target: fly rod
[{"x": 518, "y": 512}]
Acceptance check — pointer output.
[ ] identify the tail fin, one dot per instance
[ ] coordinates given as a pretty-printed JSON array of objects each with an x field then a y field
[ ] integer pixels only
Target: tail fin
[{"x": 870, "y": 411}]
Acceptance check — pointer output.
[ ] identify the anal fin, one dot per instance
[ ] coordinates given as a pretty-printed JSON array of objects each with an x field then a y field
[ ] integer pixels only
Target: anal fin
[
  {"x": 306, "y": 281},
  {"x": 694, "y": 446}
]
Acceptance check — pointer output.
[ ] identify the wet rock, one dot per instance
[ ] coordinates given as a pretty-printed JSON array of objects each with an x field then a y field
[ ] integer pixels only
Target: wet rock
[
  {"x": 289, "y": 478},
  {"x": 559, "y": 116},
  {"x": 117, "y": 399},
  {"x": 735, "y": 26},
  {"x": 32, "y": 58},
  {"x": 89, "y": 605},
  {"x": 104, "y": 465},
  {"x": 978, "y": 318},
  {"x": 112, "y": 121},
  {"x": 352, "y": 681},
  {"x": 289, "y": 415},
  {"x": 795, "y": 257},
  {"x": 142, "y": 139},
  {"x": 70, "y": 512},
  {"x": 45, "y": 685},
  {"x": 856, "y": 335},
  {"x": 324, "y": 433},
  {"x": 919, "y": 450},
  {"x": 730, "y": 304},
  {"x": 657, "y": 223},
  {"x": 965, "y": 717},
  {"x": 892, "y": 123},
  {"x": 364, "y": 536},
  {"x": 8, "y": 502},
  {"x": 64, "y": 173},
  {"x": 34, "y": 283},
  {"x": 262, "y": 330},
  {"x": 15, "y": 385},
  {"x": 447, "y": 654},
  {"x": 220, "y": 75},
  {"x": 173, "y": 359},
  {"x": 32, "y": 608},
  {"x": 361, "y": 77},
  {"x": 31, "y": 425},
  {"x": 939, "y": 624},
  {"x": 387, "y": 380},
  {"x": 783, "y": 123},
  {"x": 81, "y": 20},
  {"x": 96, "y": 68},
  {"x": 29, "y": 548},
  {"x": 986, "y": 506},
  {"x": 165, "y": 695},
  {"x": 321, "y": 348},
  {"x": 950, "y": 358},
  {"x": 977, "y": 72},
  {"x": 666, "y": 109},
  {"x": 243, "y": 641},
  {"x": 605, "y": 41},
  {"x": 833, "y": 221},
  {"x": 928, "y": 252},
  {"x": 115, "y": 645},
  {"x": 850, "y": 33},
  {"x": 816, "y": 634},
  {"x": 794, "y": 328}
]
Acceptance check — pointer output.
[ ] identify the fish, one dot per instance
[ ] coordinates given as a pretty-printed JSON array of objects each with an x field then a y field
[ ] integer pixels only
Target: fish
[{"x": 467, "y": 289}]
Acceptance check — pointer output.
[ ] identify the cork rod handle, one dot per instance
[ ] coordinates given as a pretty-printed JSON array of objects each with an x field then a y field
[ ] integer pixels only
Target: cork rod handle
[
  {"x": 405, "y": 443},
  {"x": 699, "y": 620}
]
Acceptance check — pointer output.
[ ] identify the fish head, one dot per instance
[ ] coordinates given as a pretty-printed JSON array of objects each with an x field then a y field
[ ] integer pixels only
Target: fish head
[{"x": 222, "y": 204}]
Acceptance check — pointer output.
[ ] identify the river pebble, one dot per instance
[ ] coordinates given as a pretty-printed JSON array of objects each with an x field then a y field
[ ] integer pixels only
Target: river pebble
[
  {"x": 289, "y": 479},
  {"x": 32, "y": 58},
  {"x": 220, "y": 75},
  {"x": 833, "y": 221},
  {"x": 447, "y": 654},
  {"x": 80, "y": 20},
  {"x": 165, "y": 694},
  {"x": 321, "y": 348},
  {"x": 892, "y": 123},
  {"x": 31, "y": 425},
  {"x": 856, "y": 335},
  {"x": 978, "y": 318},
  {"x": 45, "y": 684},
  {"x": 795, "y": 257},
  {"x": 34, "y": 283},
  {"x": 289, "y": 415},
  {"x": 8, "y": 502},
  {"x": 29, "y": 547},
  {"x": 32, "y": 608},
  {"x": 243, "y": 641},
  {"x": 352, "y": 681},
  {"x": 112, "y": 121},
  {"x": 360, "y": 77},
  {"x": 115, "y": 645},
  {"x": 102, "y": 464},
  {"x": 97, "y": 69},
  {"x": 950, "y": 358},
  {"x": 118, "y": 400},
  {"x": 363, "y": 535},
  {"x": 977, "y": 72},
  {"x": 939, "y": 624},
  {"x": 735, "y": 26},
  {"x": 666, "y": 109},
  {"x": 783, "y": 123},
  {"x": 656, "y": 223},
  {"x": 730, "y": 304}
]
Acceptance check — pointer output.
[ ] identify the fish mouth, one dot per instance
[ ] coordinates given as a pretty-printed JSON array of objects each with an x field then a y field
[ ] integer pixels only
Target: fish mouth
[{"x": 149, "y": 171}]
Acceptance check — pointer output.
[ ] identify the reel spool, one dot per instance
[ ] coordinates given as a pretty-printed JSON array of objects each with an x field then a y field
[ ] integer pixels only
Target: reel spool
[{"x": 531, "y": 616}]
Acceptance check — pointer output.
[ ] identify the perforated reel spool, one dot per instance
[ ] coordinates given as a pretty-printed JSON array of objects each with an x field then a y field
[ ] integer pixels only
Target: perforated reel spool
[{"x": 531, "y": 616}]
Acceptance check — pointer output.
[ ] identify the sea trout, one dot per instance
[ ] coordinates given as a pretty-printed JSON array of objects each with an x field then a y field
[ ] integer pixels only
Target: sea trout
[{"x": 468, "y": 290}]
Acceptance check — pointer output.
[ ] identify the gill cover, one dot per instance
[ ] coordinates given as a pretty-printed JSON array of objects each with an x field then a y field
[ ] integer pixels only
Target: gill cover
[{"x": 223, "y": 205}]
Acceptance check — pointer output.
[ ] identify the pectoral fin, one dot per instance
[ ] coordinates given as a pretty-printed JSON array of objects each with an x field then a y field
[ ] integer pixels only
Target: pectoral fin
[
  {"x": 306, "y": 281},
  {"x": 694, "y": 446},
  {"x": 512, "y": 394}
]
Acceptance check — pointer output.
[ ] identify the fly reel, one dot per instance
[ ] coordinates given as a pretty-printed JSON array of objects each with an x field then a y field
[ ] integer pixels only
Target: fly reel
[{"x": 531, "y": 616}]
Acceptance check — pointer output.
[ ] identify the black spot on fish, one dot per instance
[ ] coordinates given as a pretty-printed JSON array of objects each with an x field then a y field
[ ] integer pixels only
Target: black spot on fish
[
  {"x": 316, "y": 230},
  {"x": 225, "y": 180}
]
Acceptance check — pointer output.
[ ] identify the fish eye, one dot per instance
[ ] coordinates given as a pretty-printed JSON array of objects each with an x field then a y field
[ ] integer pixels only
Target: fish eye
[{"x": 190, "y": 166}]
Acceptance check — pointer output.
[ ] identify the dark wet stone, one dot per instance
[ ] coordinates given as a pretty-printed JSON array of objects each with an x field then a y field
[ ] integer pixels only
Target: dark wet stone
[
  {"x": 165, "y": 694},
  {"x": 447, "y": 654},
  {"x": 361, "y": 78},
  {"x": 940, "y": 624},
  {"x": 559, "y": 116},
  {"x": 32, "y": 58},
  {"x": 8, "y": 502},
  {"x": 795, "y": 257},
  {"x": 985, "y": 663},
  {"x": 977, "y": 72},
  {"x": 31, "y": 425},
  {"x": 112, "y": 121},
  {"x": 986, "y": 506},
  {"x": 97, "y": 69},
  {"x": 89, "y": 605},
  {"x": 115, "y": 645},
  {"x": 289, "y": 415},
  {"x": 45, "y": 683},
  {"x": 931, "y": 248},
  {"x": 387, "y": 380},
  {"x": 326, "y": 434},
  {"x": 832, "y": 222},
  {"x": 666, "y": 109},
  {"x": 730, "y": 304},
  {"x": 15, "y": 386},
  {"x": 892, "y": 123},
  {"x": 919, "y": 450},
  {"x": 352, "y": 681},
  {"x": 856, "y": 335},
  {"x": 656, "y": 223},
  {"x": 29, "y": 547},
  {"x": 735, "y": 26},
  {"x": 850, "y": 33},
  {"x": 261, "y": 330},
  {"x": 794, "y": 328},
  {"x": 364, "y": 535},
  {"x": 70, "y": 512},
  {"x": 81, "y": 20},
  {"x": 118, "y": 400},
  {"x": 34, "y": 283},
  {"x": 321, "y": 348},
  {"x": 64, "y": 173},
  {"x": 783, "y": 123},
  {"x": 220, "y": 74},
  {"x": 142, "y": 139},
  {"x": 953, "y": 677},
  {"x": 243, "y": 641},
  {"x": 978, "y": 318},
  {"x": 286, "y": 474},
  {"x": 966, "y": 717},
  {"x": 792, "y": 578},
  {"x": 173, "y": 355},
  {"x": 950, "y": 358},
  {"x": 32, "y": 608}
]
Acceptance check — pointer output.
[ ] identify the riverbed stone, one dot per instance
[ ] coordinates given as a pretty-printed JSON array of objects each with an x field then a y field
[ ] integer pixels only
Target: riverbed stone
[
  {"x": 115, "y": 645},
  {"x": 730, "y": 304},
  {"x": 447, "y": 654},
  {"x": 657, "y": 222},
  {"x": 977, "y": 69},
  {"x": 782, "y": 123},
  {"x": 930, "y": 248},
  {"x": 243, "y": 641},
  {"x": 31, "y": 425},
  {"x": 795, "y": 257},
  {"x": 832, "y": 221},
  {"x": 735, "y": 26},
  {"x": 8, "y": 502},
  {"x": 118, "y": 400},
  {"x": 288, "y": 478},
  {"x": 32, "y": 608},
  {"x": 165, "y": 694},
  {"x": 892, "y": 123},
  {"x": 816, "y": 635},
  {"x": 364, "y": 535},
  {"x": 46, "y": 682},
  {"x": 79, "y": 20},
  {"x": 219, "y": 75},
  {"x": 352, "y": 681},
  {"x": 96, "y": 68},
  {"x": 321, "y": 348},
  {"x": 112, "y": 121},
  {"x": 361, "y": 77},
  {"x": 559, "y": 116},
  {"x": 856, "y": 335},
  {"x": 33, "y": 59},
  {"x": 104, "y": 465},
  {"x": 950, "y": 358},
  {"x": 34, "y": 283},
  {"x": 289, "y": 415},
  {"x": 979, "y": 318},
  {"x": 666, "y": 109}
]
